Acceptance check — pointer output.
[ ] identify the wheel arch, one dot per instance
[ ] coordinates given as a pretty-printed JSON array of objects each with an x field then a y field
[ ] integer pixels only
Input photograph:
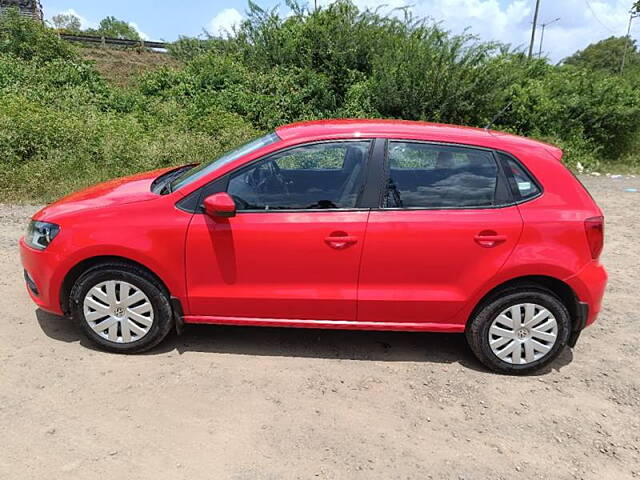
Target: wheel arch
[
  {"x": 560, "y": 288},
  {"x": 78, "y": 269}
]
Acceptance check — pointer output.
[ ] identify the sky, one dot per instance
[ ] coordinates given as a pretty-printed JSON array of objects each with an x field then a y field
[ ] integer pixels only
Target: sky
[{"x": 580, "y": 23}]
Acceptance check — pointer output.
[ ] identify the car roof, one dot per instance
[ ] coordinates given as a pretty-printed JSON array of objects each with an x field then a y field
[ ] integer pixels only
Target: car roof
[{"x": 410, "y": 130}]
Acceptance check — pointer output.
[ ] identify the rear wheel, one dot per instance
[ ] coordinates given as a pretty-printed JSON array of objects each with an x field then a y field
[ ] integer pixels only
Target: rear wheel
[
  {"x": 519, "y": 331},
  {"x": 121, "y": 308}
]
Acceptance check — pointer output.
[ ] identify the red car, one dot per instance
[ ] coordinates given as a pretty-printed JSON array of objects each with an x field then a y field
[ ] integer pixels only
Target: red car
[{"x": 351, "y": 224}]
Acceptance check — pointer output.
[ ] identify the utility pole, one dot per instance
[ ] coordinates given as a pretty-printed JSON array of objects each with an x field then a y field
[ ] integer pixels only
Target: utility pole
[
  {"x": 544, "y": 25},
  {"x": 633, "y": 13},
  {"x": 533, "y": 30}
]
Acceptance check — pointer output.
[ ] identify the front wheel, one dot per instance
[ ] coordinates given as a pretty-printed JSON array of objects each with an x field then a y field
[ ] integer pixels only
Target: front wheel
[
  {"x": 520, "y": 331},
  {"x": 121, "y": 308}
]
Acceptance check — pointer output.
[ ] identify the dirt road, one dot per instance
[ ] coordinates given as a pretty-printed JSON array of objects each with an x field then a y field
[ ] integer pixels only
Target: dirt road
[{"x": 251, "y": 403}]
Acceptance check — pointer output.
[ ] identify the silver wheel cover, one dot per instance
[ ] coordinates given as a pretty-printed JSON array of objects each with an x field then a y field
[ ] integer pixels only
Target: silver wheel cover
[
  {"x": 523, "y": 333},
  {"x": 118, "y": 311}
]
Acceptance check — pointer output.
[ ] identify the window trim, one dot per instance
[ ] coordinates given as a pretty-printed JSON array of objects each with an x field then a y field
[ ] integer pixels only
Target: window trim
[
  {"x": 221, "y": 184},
  {"x": 261, "y": 142},
  {"x": 502, "y": 193},
  {"x": 377, "y": 168}
]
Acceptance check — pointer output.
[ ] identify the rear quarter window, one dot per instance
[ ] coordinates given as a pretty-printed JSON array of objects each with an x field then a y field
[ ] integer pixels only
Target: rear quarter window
[{"x": 523, "y": 185}]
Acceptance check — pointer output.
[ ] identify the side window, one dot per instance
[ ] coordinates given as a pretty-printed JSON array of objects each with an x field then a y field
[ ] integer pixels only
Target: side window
[
  {"x": 523, "y": 185},
  {"x": 423, "y": 175},
  {"x": 316, "y": 176}
]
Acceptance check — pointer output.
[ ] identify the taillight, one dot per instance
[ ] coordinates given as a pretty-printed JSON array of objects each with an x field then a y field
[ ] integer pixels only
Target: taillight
[{"x": 594, "y": 228}]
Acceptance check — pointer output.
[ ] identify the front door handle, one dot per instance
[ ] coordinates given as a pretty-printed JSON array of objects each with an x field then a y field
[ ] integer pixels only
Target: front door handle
[
  {"x": 340, "y": 241},
  {"x": 489, "y": 238}
]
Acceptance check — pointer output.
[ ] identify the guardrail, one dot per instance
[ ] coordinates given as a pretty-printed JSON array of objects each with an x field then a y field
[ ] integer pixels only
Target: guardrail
[{"x": 113, "y": 41}]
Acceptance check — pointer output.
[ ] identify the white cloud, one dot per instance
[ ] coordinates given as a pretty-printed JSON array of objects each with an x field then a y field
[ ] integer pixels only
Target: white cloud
[
  {"x": 143, "y": 35},
  {"x": 222, "y": 24},
  {"x": 509, "y": 21}
]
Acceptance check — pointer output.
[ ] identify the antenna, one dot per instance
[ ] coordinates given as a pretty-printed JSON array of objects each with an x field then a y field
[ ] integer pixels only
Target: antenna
[{"x": 498, "y": 115}]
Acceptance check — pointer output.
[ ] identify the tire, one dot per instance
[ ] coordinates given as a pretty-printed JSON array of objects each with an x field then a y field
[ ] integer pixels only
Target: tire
[
  {"x": 154, "y": 303},
  {"x": 484, "y": 344}
]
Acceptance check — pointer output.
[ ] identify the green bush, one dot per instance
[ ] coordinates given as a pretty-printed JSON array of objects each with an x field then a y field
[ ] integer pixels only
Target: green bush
[
  {"x": 593, "y": 111},
  {"x": 48, "y": 151},
  {"x": 27, "y": 39}
]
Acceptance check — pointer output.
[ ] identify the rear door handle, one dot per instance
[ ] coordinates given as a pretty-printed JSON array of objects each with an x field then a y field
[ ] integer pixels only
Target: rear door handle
[
  {"x": 340, "y": 242},
  {"x": 489, "y": 239}
]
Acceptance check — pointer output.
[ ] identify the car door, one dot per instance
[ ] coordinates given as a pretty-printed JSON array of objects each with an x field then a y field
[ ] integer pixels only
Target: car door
[
  {"x": 293, "y": 249},
  {"x": 441, "y": 231}
]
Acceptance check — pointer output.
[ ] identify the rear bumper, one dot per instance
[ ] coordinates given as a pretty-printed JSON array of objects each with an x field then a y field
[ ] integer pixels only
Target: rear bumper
[
  {"x": 589, "y": 285},
  {"x": 42, "y": 279}
]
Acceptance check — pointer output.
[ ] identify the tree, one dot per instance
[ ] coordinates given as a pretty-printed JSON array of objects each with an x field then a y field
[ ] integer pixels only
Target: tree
[
  {"x": 605, "y": 55},
  {"x": 114, "y": 28},
  {"x": 636, "y": 7},
  {"x": 67, "y": 21}
]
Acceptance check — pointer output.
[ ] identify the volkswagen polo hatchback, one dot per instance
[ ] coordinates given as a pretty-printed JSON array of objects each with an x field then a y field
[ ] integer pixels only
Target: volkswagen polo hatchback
[{"x": 373, "y": 225}]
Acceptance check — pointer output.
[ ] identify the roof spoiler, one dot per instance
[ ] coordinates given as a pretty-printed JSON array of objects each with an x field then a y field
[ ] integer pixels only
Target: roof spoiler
[{"x": 555, "y": 152}]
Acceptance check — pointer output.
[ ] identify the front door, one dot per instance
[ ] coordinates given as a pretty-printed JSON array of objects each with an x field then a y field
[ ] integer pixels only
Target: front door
[
  {"x": 439, "y": 235},
  {"x": 293, "y": 249}
]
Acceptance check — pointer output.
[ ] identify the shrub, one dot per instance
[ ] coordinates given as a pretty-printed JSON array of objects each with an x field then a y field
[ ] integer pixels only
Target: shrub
[
  {"x": 576, "y": 106},
  {"x": 28, "y": 39},
  {"x": 47, "y": 151}
]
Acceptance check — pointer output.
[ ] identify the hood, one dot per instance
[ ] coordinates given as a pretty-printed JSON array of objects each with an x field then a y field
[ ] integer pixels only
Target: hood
[{"x": 136, "y": 188}]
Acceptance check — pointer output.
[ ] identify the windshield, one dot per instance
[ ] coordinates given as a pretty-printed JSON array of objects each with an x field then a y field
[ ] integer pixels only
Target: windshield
[{"x": 206, "y": 168}]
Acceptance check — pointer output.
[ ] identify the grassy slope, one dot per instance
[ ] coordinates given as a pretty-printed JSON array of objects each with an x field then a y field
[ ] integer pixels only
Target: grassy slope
[
  {"x": 73, "y": 151},
  {"x": 122, "y": 66}
]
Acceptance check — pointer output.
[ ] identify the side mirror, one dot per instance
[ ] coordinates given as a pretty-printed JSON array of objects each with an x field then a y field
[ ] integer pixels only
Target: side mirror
[{"x": 220, "y": 205}]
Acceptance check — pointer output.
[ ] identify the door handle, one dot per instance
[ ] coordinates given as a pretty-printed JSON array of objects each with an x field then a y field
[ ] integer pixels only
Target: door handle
[
  {"x": 489, "y": 239},
  {"x": 340, "y": 242}
]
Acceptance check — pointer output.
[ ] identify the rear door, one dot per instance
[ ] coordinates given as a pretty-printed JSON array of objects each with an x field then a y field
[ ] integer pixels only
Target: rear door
[
  {"x": 440, "y": 233},
  {"x": 293, "y": 249}
]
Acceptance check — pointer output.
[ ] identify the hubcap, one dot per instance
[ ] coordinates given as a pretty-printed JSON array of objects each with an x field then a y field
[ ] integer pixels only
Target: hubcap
[
  {"x": 523, "y": 333},
  {"x": 118, "y": 311}
]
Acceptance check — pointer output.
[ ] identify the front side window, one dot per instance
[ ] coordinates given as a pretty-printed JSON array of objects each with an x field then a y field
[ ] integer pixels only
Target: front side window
[
  {"x": 424, "y": 175},
  {"x": 315, "y": 176}
]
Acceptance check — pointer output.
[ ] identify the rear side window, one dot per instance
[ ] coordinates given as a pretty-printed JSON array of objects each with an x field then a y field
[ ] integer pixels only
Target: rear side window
[
  {"x": 424, "y": 175},
  {"x": 523, "y": 186}
]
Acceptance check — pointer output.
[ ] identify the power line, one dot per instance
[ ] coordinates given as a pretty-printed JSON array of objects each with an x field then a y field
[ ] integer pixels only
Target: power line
[{"x": 593, "y": 12}]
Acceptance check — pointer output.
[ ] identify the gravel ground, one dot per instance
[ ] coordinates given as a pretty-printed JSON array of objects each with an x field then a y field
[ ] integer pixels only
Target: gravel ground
[{"x": 263, "y": 403}]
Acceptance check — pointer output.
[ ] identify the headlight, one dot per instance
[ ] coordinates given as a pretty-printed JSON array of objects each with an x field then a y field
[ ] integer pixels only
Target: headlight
[{"x": 40, "y": 234}]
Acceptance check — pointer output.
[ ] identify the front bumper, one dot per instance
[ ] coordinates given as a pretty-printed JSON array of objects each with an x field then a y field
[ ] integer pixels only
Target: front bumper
[{"x": 42, "y": 278}]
